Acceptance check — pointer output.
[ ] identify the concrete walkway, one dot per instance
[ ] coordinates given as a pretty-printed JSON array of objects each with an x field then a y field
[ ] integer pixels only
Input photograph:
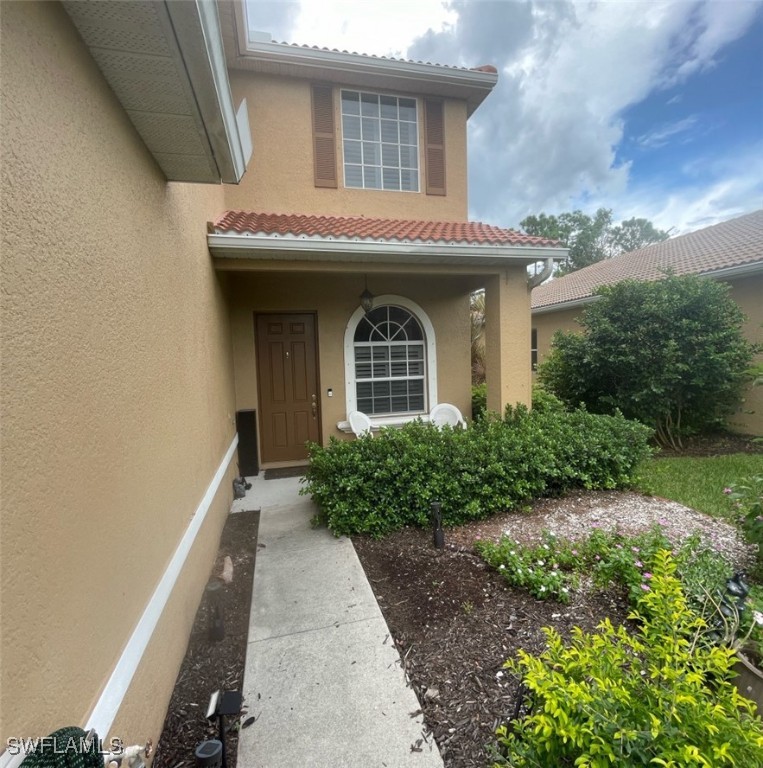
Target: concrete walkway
[{"x": 322, "y": 673}]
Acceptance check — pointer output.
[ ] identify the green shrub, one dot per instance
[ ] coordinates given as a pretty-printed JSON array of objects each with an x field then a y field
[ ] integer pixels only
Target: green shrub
[
  {"x": 747, "y": 498},
  {"x": 546, "y": 401},
  {"x": 670, "y": 353},
  {"x": 479, "y": 402},
  {"x": 377, "y": 485},
  {"x": 657, "y": 697}
]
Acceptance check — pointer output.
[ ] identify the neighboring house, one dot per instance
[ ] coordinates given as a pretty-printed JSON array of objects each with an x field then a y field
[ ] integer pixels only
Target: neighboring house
[
  {"x": 156, "y": 282},
  {"x": 731, "y": 251}
]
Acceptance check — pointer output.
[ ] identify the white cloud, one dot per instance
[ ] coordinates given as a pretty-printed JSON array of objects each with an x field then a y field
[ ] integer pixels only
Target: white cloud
[
  {"x": 661, "y": 135},
  {"x": 546, "y": 139},
  {"x": 382, "y": 28},
  {"x": 714, "y": 189}
]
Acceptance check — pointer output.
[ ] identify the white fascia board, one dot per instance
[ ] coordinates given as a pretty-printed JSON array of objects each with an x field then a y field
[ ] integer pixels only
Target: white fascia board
[
  {"x": 358, "y": 63},
  {"x": 741, "y": 270},
  {"x": 565, "y": 305},
  {"x": 197, "y": 29},
  {"x": 254, "y": 247}
]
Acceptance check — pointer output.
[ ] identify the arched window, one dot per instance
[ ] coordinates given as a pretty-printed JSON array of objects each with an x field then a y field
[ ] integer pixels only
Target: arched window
[{"x": 389, "y": 360}]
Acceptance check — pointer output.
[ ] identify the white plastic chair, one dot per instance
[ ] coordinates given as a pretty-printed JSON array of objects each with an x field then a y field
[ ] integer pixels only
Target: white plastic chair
[
  {"x": 445, "y": 414},
  {"x": 360, "y": 424}
]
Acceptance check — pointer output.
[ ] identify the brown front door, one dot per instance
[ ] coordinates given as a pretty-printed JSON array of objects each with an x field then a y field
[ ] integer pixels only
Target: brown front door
[{"x": 288, "y": 382}]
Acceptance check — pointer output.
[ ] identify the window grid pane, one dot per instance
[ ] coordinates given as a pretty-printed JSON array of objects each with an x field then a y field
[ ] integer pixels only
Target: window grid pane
[
  {"x": 388, "y": 128},
  {"x": 389, "y": 362}
]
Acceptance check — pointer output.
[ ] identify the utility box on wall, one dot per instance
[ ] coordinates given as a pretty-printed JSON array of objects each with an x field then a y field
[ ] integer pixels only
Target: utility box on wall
[{"x": 246, "y": 426}]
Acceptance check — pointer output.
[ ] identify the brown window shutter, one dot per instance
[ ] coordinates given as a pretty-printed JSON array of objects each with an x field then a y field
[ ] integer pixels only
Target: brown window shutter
[
  {"x": 434, "y": 137},
  {"x": 324, "y": 137}
]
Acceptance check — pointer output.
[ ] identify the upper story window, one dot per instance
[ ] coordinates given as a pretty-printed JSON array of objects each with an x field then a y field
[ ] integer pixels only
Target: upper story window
[{"x": 380, "y": 139}]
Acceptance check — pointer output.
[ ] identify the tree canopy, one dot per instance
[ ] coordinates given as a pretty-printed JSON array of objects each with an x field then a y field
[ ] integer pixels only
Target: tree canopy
[
  {"x": 670, "y": 353},
  {"x": 592, "y": 238}
]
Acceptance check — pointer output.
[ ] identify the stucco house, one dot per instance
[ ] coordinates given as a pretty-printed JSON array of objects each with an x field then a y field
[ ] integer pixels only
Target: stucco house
[
  {"x": 731, "y": 251},
  {"x": 190, "y": 216}
]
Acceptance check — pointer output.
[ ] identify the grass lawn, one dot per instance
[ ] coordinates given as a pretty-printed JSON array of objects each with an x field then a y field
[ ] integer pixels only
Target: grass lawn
[{"x": 698, "y": 482}]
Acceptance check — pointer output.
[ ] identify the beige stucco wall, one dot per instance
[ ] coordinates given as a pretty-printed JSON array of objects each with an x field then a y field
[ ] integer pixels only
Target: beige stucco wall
[
  {"x": 507, "y": 339},
  {"x": 747, "y": 291},
  {"x": 117, "y": 395},
  {"x": 280, "y": 176},
  {"x": 547, "y": 324},
  {"x": 334, "y": 298}
]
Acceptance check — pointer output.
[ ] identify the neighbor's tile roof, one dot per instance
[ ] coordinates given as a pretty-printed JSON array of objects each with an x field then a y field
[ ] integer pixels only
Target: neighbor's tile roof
[
  {"x": 372, "y": 229},
  {"x": 729, "y": 244}
]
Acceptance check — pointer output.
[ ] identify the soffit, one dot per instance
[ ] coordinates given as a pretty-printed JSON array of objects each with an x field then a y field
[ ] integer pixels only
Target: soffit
[{"x": 154, "y": 57}]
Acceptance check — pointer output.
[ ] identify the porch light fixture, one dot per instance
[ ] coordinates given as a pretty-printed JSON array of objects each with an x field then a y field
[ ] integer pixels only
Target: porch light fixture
[{"x": 367, "y": 299}]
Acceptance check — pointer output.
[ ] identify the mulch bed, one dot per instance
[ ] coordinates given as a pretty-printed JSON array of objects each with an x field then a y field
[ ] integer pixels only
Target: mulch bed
[
  {"x": 209, "y": 666},
  {"x": 455, "y": 622}
]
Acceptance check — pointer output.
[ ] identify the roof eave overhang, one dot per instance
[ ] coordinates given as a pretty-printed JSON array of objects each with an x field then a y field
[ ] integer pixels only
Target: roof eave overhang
[
  {"x": 740, "y": 270},
  {"x": 313, "y": 63},
  {"x": 726, "y": 273},
  {"x": 558, "y": 307},
  {"x": 166, "y": 64},
  {"x": 254, "y": 248}
]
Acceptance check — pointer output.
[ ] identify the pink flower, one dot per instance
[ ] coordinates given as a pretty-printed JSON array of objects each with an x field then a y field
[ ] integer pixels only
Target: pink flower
[
  {"x": 646, "y": 588},
  {"x": 638, "y": 564},
  {"x": 727, "y": 491},
  {"x": 647, "y": 575},
  {"x": 574, "y": 551},
  {"x": 619, "y": 546},
  {"x": 634, "y": 549}
]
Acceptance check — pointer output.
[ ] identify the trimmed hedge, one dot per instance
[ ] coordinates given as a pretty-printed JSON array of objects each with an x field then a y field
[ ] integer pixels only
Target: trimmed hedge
[{"x": 378, "y": 484}]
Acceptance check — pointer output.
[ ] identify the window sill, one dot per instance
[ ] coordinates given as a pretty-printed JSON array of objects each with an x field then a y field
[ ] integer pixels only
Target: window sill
[{"x": 384, "y": 421}]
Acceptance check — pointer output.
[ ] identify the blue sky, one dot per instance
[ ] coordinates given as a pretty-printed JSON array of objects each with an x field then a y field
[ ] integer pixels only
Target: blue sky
[{"x": 650, "y": 108}]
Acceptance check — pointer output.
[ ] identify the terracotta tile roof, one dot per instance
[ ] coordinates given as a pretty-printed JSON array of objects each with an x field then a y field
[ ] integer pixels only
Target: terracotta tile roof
[
  {"x": 728, "y": 244},
  {"x": 372, "y": 229}
]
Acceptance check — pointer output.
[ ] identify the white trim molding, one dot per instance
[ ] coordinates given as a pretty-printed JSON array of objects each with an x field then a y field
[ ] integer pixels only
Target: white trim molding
[
  {"x": 248, "y": 246},
  {"x": 105, "y": 711},
  {"x": 349, "y": 361}
]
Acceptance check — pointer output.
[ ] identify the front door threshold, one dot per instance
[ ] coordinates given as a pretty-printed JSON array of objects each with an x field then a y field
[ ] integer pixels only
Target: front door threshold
[{"x": 284, "y": 464}]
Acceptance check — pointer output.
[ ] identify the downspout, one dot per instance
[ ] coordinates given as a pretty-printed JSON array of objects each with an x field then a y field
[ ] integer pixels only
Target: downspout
[{"x": 544, "y": 274}]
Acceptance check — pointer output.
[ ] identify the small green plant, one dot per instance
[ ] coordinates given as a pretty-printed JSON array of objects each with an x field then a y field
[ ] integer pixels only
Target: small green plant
[
  {"x": 747, "y": 499},
  {"x": 543, "y": 570},
  {"x": 467, "y": 607},
  {"x": 549, "y": 570},
  {"x": 657, "y": 697},
  {"x": 479, "y": 401}
]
